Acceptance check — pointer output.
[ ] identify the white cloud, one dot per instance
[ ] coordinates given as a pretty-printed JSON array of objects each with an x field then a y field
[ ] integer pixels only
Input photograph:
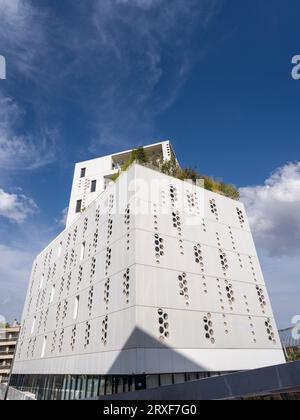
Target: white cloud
[
  {"x": 19, "y": 150},
  {"x": 16, "y": 207},
  {"x": 274, "y": 209}
]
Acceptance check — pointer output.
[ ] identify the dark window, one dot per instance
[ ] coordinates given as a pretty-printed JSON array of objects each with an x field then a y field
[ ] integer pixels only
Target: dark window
[
  {"x": 82, "y": 172},
  {"x": 93, "y": 186},
  {"x": 78, "y": 206}
]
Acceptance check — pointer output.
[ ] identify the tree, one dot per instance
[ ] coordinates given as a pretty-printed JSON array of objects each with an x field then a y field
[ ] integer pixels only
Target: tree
[
  {"x": 170, "y": 167},
  {"x": 136, "y": 155},
  {"x": 139, "y": 155}
]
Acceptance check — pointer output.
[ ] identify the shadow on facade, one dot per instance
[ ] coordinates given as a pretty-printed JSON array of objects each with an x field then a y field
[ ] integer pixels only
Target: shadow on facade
[
  {"x": 144, "y": 354},
  {"x": 143, "y": 363}
]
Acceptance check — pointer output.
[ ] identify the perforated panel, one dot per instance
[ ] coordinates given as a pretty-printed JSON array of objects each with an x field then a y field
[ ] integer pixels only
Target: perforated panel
[{"x": 164, "y": 282}]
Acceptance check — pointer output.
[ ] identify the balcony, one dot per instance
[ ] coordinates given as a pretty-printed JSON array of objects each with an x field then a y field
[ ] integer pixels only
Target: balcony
[
  {"x": 6, "y": 353},
  {"x": 4, "y": 372},
  {"x": 5, "y": 367},
  {"x": 8, "y": 337},
  {"x": 7, "y": 343}
]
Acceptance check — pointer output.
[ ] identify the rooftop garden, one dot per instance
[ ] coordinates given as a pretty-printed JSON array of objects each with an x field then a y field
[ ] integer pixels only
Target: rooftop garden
[{"x": 172, "y": 168}]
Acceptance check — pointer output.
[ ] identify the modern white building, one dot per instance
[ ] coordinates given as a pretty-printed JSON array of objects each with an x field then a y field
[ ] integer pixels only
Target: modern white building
[
  {"x": 93, "y": 176},
  {"x": 155, "y": 281}
]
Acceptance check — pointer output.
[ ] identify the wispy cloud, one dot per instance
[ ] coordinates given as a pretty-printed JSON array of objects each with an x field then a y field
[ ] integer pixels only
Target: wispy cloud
[
  {"x": 24, "y": 43},
  {"x": 119, "y": 63},
  {"x": 15, "y": 266},
  {"x": 19, "y": 245},
  {"x": 122, "y": 62},
  {"x": 22, "y": 35},
  {"x": 147, "y": 59},
  {"x": 19, "y": 150}
]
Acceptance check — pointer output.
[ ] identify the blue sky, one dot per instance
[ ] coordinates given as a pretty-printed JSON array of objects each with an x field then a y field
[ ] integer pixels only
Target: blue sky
[{"x": 89, "y": 78}]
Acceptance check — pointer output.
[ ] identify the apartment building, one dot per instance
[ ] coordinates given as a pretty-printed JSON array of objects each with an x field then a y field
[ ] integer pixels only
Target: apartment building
[
  {"x": 8, "y": 342},
  {"x": 154, "y": 281}
]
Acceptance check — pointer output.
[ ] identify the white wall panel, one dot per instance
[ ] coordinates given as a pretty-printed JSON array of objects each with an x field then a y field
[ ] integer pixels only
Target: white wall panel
[{"x": 124, "y": 283}]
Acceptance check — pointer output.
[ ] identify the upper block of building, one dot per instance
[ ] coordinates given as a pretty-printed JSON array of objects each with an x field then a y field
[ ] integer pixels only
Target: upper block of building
[{"x": 92, "y": 177}]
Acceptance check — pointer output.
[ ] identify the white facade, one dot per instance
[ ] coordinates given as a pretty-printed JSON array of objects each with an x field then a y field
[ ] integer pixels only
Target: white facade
[
  {"x": 155, "y": 276},
  {"x": 93, "y": 176}
]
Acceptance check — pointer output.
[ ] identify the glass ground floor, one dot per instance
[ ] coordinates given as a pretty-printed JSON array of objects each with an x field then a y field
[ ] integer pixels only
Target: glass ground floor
[{"x": 75, "y": 387}]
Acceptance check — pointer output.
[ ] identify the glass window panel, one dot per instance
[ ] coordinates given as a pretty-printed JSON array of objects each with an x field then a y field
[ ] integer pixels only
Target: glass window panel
[
  {"x": 179, "y": 378},
  {"x": 89, "y": 389},
  {"x": 152, "y": 381},
  {"x": 108, "y": 385},
  {"x": 166, "y": 379},
  {"x": 102, "y": 386}
]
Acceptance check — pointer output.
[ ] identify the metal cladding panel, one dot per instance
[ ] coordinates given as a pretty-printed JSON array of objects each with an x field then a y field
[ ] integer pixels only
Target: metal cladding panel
[
  {"x": 186, "y": 331},
  {"x": 157, "y": 288},
  {"x": 207, "y": 260},
  {"x": 155, "y": 276}
]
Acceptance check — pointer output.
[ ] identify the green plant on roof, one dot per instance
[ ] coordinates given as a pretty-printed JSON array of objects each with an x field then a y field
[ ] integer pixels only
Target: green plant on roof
[
  {"x": 137, "y": 155},
  {"x": 171, "y": 168}
]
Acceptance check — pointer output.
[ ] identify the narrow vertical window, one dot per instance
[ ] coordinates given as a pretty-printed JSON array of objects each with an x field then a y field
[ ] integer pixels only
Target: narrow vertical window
[
  {"x": 82, "y": 251},
  {"x": 93, "y": 185},
  {"x": 76, "y": 307},
  {"x": 42, "y": 281},
  {"x": 82, "y": 172},
  {"x": 59, "y": 249},
  {"x": 52, "y": 294},
  {"x": 78, "y": 206},
  {"x": 44, "y": 347},
  {"x": 33, "y": 325}
]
